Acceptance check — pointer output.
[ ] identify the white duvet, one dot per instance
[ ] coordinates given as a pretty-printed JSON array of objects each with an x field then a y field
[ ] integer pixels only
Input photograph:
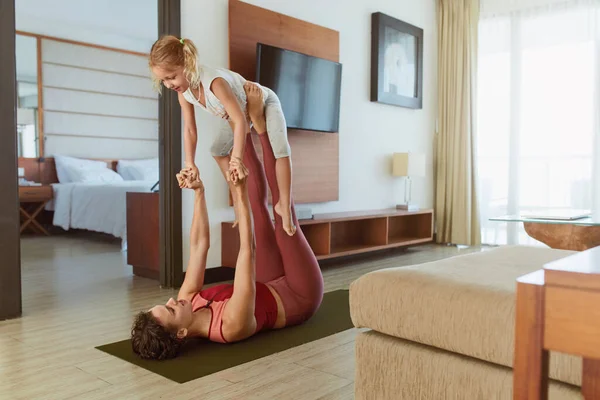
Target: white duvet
[{"x": 95, "y": 207}]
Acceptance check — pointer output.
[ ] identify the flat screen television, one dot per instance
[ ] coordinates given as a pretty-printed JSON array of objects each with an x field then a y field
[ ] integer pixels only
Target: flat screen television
[{"x": 308, "y": 87}]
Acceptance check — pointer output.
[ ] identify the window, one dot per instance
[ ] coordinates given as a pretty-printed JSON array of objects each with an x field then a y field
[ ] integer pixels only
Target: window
[{"x": 537, "y": 115}]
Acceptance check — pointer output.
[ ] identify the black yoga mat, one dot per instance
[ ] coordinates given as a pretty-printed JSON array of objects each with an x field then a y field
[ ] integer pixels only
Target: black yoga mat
[{"x": 203, "y": 358}]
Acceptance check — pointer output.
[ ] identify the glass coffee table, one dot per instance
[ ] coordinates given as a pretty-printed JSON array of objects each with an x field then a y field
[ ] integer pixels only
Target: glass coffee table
[{"x": 560, "y": 233}]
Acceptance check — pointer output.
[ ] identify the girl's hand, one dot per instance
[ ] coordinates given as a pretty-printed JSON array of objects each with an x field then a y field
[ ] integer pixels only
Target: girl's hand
[
  {"x": 181, "y": 177},
  {"x": 237, "y": 170},
  {"x": 194, "y": 174}
]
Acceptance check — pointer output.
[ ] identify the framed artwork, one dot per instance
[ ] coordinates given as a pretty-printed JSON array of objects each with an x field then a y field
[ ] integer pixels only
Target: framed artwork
[{"x": 396, "y": 62}]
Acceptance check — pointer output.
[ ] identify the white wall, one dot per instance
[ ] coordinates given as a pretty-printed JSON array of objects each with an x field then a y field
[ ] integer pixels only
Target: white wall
[
  {"x": 369, "y": 132},
  {"x": 87, "y": 102},
  {"x": 97, "y": 103},
  {"x": 26, "y": 58}
]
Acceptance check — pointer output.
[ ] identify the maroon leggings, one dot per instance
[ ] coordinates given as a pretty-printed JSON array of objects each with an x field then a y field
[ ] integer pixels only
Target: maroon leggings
[{"x": 287, "y": 263}]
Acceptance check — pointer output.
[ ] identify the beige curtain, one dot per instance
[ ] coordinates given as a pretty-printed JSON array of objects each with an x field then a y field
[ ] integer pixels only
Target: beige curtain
[{"x": 457, "y": 214}]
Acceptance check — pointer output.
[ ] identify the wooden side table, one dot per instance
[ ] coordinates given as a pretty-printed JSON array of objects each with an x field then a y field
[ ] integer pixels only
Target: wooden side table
[
  {"x": 32, "y": 200},
  {"x": 557, "y": 310}
]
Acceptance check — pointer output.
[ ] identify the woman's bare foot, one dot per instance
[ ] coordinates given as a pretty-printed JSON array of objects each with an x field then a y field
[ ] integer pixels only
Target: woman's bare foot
[
  {"x": 256, "y": 108},
  {"x": 286, "y": 216}
]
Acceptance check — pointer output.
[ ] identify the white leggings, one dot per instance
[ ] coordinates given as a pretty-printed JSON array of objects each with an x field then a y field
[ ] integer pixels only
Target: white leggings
[{"x": 276, "y": 130}]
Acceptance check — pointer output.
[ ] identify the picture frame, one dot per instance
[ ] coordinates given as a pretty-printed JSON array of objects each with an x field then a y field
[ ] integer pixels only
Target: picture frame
[{"x": 396, "y": 62}]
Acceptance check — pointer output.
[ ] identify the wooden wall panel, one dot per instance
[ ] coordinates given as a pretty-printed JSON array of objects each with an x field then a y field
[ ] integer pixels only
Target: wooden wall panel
[
  {"x": 91, "y": 147},
  {"x": 315, "y": 155},
  {"x": 86, "y": 55},
  {"x": 93, "y": 80},
  {"x": 100, "y": 126},
  {"x": 81, "y": 102},
  {"x": 314, "y": 179},
  {"x": 83, "y": 81},
  {"x": 250, "y": 24}
]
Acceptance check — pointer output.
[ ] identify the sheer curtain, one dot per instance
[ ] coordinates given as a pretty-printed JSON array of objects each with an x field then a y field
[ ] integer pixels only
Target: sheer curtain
[{"x": 538, "y": 104}]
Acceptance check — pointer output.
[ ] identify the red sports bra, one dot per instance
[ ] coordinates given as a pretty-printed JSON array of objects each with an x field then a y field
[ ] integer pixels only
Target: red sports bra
[{"x": 215, "y": 299}]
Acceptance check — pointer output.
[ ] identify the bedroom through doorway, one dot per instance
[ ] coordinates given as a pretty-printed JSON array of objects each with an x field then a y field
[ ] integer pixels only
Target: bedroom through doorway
[{"x": 88, "y": 148}]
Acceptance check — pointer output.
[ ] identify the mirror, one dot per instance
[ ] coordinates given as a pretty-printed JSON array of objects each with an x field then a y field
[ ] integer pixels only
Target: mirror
[{"x": 27, "y": 96}]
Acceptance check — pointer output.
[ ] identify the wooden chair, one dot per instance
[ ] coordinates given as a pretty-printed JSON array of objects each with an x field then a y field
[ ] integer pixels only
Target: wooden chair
[{"x": 558, "y": 309}]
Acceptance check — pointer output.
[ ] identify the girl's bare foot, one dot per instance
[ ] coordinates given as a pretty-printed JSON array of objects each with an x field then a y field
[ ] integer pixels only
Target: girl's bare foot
[
  {"x": 286, "y": 216},
  {"x": 256, "y": 108}
]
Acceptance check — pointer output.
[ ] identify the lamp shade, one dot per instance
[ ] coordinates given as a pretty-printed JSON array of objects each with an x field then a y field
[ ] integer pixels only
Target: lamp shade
[{"x": 408, "y": 164}]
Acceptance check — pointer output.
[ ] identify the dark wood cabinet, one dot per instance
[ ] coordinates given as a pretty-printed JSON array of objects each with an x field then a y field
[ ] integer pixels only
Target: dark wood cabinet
[{"x": 143, "y": 234}]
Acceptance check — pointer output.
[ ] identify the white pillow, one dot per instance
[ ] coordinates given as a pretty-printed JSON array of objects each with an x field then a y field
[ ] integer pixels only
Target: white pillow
[
  {"x": 94, "y": 175},
  {"x": 138, "y": 170},
  {"x": 65, "y": 163}
]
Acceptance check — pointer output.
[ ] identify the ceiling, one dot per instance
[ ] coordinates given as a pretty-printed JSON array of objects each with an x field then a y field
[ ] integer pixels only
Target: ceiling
[
  {"x": 124, "y": 24},
  {"x": 132, "y": 18}
]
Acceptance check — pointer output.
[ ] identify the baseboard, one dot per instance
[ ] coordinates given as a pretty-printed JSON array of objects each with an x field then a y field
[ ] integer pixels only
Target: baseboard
[
  {"x": 222, "y": 274},
  {"x": 11, "y": 316},
  {"x": 146, "y": 273}
]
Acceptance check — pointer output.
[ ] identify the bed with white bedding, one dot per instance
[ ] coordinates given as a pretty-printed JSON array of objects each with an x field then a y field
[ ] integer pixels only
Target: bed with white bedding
[
  {"x": 93, "y": 197},
  {"x": 95, "y": 207}
]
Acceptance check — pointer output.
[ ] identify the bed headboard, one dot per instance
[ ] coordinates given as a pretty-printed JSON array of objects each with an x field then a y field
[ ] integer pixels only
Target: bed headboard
[{"x": 43, "y": 170}]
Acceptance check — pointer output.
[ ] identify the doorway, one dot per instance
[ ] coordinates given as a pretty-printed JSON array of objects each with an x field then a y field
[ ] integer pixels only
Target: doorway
[{"x": 169, "y": 160}]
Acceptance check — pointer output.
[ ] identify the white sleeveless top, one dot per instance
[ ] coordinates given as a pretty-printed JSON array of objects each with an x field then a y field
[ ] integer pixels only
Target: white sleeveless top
[{"x": 213, "y": 104}]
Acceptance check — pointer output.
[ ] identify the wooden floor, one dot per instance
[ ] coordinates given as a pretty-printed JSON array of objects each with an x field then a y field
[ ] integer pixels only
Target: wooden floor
[{"x": 79, "y": 293}]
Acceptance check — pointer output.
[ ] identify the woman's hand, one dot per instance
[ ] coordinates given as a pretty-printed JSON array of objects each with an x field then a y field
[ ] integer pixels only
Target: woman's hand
[
  {"x": 186, "y": 182},
  {"x": 237, "y": 171},
  {"x": 194, "y": 174}
]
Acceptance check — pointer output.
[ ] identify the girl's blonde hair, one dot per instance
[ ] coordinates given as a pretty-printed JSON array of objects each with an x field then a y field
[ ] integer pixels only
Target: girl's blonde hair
[{"x": 169, "y": 53}]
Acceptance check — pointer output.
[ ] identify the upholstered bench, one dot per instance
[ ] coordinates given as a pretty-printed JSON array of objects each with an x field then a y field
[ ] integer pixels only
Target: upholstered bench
[{"x": 445, "y": 329}]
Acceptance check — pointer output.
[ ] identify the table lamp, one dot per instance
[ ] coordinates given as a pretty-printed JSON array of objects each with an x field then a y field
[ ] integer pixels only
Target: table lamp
[{"x": 408, "y": 165}]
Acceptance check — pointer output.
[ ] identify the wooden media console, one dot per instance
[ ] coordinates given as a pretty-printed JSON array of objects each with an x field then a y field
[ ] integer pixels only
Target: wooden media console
[{"x": 343, "y": 234}]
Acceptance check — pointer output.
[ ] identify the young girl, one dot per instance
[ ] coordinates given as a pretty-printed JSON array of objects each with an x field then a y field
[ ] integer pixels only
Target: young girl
[{"x": 174, "y": 63}]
